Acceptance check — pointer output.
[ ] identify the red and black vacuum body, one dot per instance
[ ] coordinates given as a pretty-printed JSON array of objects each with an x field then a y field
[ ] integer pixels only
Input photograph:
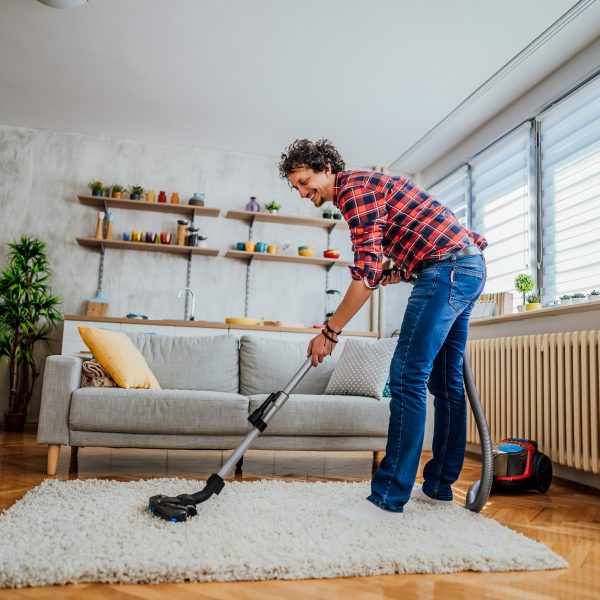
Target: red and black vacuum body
[{"x": 519, "y": 466}]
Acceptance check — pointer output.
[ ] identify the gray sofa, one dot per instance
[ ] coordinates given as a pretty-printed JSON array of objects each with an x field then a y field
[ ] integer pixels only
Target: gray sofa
[{"x": 209, "y": 387}]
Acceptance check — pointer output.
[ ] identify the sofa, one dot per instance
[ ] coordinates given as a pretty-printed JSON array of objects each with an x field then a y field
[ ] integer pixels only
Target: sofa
[{"x": 209, "y": 386}]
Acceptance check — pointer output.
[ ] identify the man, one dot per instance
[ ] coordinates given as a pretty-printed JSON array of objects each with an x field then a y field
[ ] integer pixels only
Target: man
[{"x": 394, "y": 218}]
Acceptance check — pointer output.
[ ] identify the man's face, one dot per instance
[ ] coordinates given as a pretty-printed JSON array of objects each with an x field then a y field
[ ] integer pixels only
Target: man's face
[{"x": 317, "y": 187}]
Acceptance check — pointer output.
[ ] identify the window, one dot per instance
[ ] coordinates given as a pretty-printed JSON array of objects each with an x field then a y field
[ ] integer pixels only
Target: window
[
  {"x": 453, "y": 192},
  {"x": 502, "y": 208},
  {"x": 570, "y": 192}
]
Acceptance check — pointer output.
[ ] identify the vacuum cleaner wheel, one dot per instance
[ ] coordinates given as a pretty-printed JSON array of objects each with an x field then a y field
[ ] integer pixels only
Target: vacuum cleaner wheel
[{"x": 542, "y": 471}]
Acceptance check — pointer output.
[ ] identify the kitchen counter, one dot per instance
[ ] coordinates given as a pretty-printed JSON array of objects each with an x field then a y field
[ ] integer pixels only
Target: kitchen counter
[{"x": 209, "y": 325}]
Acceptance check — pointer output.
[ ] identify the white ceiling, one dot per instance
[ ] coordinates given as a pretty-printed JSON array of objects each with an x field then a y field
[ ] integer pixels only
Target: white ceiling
[{"x": 374, "y": 76}]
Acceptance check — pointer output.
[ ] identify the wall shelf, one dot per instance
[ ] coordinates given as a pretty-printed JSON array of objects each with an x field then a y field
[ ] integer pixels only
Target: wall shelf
[
  {"x": 181, "y": 209},
  {"x": 146, "y": 247},
  {"x": 303, "y": 260},
  {"x": 249, "y": 217}
]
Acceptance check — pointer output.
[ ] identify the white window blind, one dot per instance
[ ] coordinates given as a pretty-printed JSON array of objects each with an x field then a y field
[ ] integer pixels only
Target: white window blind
[
  {"x": 502, "y": 208},
  {"x": 452, "y": 191},
  {"x": 570, "y": 167}
]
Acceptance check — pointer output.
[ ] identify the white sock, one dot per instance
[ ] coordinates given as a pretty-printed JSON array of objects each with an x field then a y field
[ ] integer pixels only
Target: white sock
[
  {"x": 365, "y": 511},
  {"x": 418, "y": 494}
]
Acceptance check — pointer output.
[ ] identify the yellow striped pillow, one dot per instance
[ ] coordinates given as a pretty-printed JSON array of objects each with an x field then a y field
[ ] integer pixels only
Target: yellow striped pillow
[{"x": 117, "y": 354}]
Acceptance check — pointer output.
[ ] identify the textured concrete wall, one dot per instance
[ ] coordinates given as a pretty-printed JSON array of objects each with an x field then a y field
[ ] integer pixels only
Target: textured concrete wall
[{"x": 41, "y": 173}]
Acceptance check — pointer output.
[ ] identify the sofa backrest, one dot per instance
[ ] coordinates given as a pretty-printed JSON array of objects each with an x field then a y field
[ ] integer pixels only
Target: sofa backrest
[
  {"x": 192, "y": 362},
  {"x": 267, "y": 365}
]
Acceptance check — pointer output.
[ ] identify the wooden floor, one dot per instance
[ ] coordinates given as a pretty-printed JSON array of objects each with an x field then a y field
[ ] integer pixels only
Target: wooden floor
[{"x": 566, "y": 518}]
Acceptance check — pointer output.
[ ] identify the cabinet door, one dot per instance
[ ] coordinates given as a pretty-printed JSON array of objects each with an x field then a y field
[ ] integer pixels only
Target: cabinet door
[
  {"x": 72, "y": 342},
  {"x": 273, "y": 335},
  {"x": 147, "y": 328},
  {"x": 202, "y": 331},
  {"x": 297, "y": 336}
]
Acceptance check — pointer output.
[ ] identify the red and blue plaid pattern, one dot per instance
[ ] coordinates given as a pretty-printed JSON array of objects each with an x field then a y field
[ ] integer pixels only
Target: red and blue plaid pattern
[{"x": 393, "y": 217}]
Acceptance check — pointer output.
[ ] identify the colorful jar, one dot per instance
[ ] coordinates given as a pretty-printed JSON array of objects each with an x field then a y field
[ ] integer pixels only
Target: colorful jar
[{"x": 162, "y": 196}]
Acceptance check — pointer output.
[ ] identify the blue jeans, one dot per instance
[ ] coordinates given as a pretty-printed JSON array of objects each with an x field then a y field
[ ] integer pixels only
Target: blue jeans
[{"x": 429, "y": 355}]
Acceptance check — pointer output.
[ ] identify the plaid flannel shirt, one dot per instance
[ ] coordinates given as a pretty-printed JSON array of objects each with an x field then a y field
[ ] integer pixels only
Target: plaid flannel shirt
[{"x": 393, "y": 217}]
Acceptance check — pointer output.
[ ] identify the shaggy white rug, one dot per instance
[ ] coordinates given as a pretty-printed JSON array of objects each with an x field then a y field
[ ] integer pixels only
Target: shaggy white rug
[{"x": 100, "y": 531}]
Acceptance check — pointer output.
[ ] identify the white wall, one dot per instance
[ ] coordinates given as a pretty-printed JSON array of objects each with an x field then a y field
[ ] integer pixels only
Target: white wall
[
  {"x": 41, "y": 173},
  {"x": 564, "y": 78}
]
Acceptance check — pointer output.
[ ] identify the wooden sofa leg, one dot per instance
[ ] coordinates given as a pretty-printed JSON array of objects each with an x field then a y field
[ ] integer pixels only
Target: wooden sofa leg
[
  {"x": 377, "y": 458},
  {"x": 53, "y": 454}
]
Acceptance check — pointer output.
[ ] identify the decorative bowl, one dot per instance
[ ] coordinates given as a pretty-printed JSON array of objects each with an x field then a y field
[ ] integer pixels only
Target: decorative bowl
[
  {"x": 331, "y": 253},
  {"x": 306, "y": 252},
  {"x": 241, "y": 321}
]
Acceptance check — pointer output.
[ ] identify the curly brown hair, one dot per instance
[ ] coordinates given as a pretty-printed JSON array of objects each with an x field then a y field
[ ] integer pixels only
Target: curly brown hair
[{"x": 314, "y": 155}]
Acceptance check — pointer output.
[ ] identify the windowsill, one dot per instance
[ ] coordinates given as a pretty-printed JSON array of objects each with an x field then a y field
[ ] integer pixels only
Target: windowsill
[{"x": 551, "y": 311}]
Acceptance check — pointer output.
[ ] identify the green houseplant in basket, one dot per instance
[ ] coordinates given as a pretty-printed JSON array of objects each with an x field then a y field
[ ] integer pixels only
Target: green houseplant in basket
[
  {"x": 28, "y": 314},
  {"x": 534, "y": 302}
]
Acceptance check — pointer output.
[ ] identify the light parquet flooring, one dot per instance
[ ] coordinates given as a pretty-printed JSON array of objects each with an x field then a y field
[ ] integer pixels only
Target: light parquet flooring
[{"x": 567, "y": 519}]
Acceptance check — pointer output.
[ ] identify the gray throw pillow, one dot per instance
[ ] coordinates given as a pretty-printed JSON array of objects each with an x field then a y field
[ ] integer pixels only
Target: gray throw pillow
[{"x": 363, "y": 368}]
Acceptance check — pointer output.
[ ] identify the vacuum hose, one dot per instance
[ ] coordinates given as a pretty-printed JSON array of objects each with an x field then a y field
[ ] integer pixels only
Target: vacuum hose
[{"x": 479, "y": 492}]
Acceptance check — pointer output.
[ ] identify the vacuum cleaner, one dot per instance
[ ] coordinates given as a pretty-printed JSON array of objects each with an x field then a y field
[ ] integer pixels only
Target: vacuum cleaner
[
  {"x": 180, "y": 508},
  {"x": 519, "y": 466}
]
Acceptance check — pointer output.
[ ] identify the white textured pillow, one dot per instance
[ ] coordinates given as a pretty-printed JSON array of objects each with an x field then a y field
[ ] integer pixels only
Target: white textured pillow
[{"x": 363, "y": 368}]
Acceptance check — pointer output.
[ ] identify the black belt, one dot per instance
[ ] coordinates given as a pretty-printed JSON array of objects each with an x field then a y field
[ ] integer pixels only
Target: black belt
[{"x": 470, "y": 250}]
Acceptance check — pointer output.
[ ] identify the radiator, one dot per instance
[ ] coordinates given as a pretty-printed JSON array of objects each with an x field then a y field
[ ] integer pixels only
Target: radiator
[{"x": 542, "y": 387}]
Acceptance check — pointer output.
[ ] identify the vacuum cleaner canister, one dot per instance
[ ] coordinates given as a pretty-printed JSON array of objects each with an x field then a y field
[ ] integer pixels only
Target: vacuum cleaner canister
[{"x": 519, "y": 466}]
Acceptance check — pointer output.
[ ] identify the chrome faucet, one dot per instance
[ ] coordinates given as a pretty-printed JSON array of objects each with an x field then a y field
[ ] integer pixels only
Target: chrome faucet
[{"x": 187, "y": 291}]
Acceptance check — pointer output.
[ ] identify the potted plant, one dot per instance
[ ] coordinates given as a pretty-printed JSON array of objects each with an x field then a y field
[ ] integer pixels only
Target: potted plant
[
  {"x": 327, "y": 212},
  {"x": 566, "y": 299},
  {"x": 593, "y": 296},
  {"x": 116, "y": 190},
  {"x": 106, "y": 191},
  {"x": 272, "y": 207},
  {"x": 27, "y": 316},
  {"x": 523, "y": 283},
  {"x": 533, "y": 302},
  {"x": 96, "y": 187},
  {"x": 135, "y": 192},
  {"x": 578, "y": 297}
]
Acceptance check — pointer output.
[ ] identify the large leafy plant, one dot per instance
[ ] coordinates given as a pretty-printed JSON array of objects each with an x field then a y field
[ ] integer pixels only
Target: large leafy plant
[{"x": 28, "y": 313}]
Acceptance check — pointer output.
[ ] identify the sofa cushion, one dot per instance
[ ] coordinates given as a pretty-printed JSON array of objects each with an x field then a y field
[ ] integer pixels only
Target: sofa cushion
[
  {"x": 192, "y": 363},
  {"x": 363, "y": 368},
  {"x": 307, "y": 414},
  {"x": 185, "y": 412},
  {"x": 267, "y": 366},
  {"x": 121, "y": 359}
]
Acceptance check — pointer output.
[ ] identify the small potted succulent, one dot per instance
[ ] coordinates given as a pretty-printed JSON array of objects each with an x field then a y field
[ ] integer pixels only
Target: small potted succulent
[
  {"x": 272, "y": 207},
  {"x": 578, "y": 297},
  {"x": 106, "y": 191},
  {"x": 135, "y": 192},
  {"x": 593, "y": 296},
  {"x": 533, "y": 302},
  {"x": 328, "y": 212},
  {"x": 524, "y": 283},
  {"x": 116, "y": 190},
  {"x": 96, "y": 187},
  {"x": 566, "y": 299}
]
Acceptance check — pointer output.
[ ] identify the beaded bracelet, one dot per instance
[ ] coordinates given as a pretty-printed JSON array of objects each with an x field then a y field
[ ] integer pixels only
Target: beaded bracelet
[
  {"x": 332, "y": 330},
  {"x": 328, "y": 337}
]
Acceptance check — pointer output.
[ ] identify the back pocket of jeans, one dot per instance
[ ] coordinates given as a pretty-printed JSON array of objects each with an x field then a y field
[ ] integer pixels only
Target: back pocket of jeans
[{"x": 464, "y": 288}]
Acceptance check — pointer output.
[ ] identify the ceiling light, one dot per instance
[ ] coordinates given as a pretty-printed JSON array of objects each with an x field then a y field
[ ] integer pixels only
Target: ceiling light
[{"x": 63, "y": 3}]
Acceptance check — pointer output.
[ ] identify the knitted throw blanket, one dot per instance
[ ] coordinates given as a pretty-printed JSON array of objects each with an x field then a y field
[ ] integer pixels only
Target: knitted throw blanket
[{"x": 94, "y": 375}]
